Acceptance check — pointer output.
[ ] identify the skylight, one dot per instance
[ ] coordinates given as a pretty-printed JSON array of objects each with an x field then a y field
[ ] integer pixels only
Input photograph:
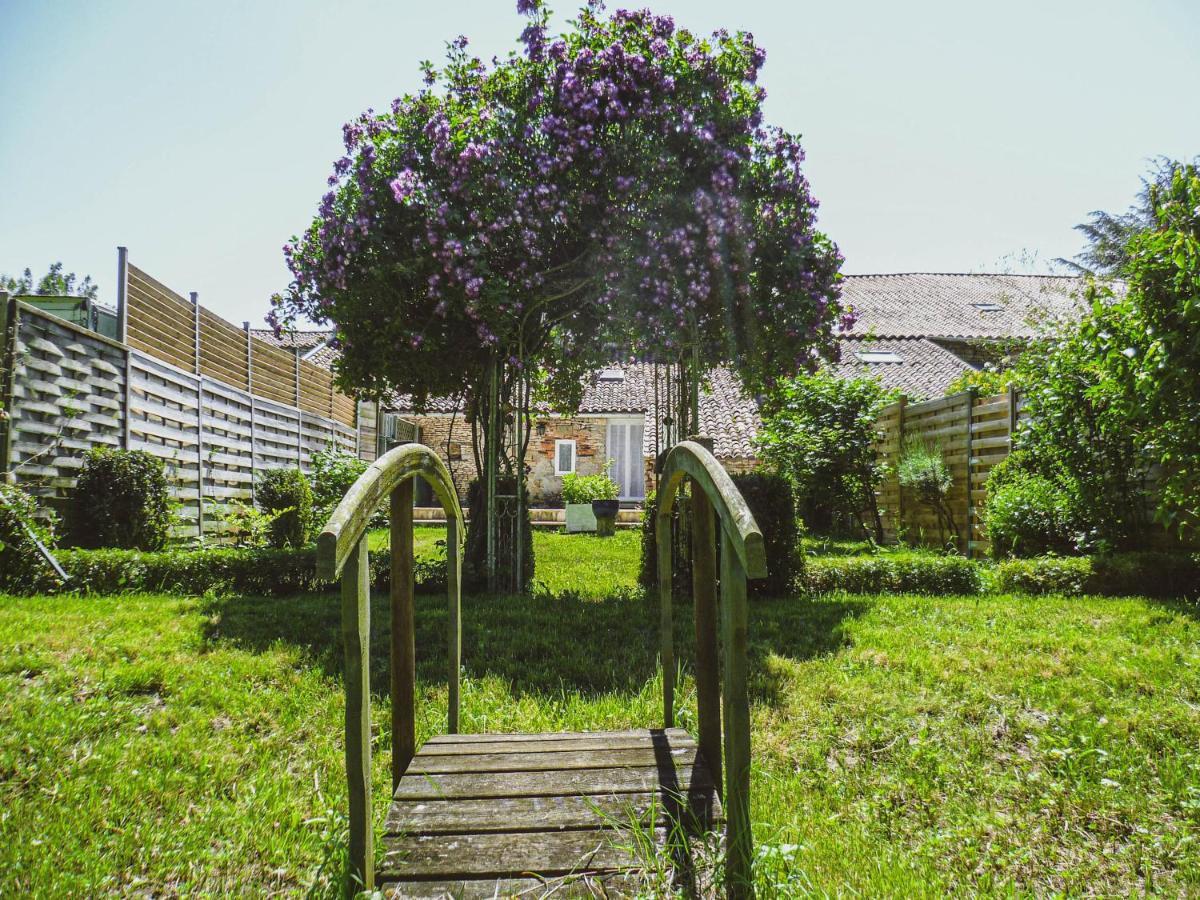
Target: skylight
[
  {"x": 612, "y": 375},
  {"x": 987, "y": 306},
  {"x": 878, "y": 356}
]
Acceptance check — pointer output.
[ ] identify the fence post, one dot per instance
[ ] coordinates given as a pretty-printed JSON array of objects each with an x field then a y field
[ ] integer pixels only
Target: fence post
[
  {"x": 903, "y": 401},
  {"x": 299, "y": 411},
  {"x": 123, "y": 337},
  {"x": 1013, "y": 418},
  {"x": 970, "y": 529},
  {"x": 8, "y": 360},
  {"x": 195, "y": 298},
  {"x": 250, "y": 391}
]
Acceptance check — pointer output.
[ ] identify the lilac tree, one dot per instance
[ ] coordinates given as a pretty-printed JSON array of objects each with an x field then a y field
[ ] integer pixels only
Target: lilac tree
[{"x": 613, "y": 190}]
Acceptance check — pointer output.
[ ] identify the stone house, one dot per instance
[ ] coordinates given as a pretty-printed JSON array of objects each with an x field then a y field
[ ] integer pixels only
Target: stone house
[{"x": 915, "y": 332}]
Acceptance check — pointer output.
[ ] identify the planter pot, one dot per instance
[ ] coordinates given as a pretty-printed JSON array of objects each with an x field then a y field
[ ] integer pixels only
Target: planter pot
[
  {"x": 605, "y": 512},
  {"x": 580, "y": 518}
]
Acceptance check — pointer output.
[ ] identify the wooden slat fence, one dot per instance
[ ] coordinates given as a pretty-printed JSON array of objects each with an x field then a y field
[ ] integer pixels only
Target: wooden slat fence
[
  {"x": 973, "y": 433},
  {"x": 216, "y": 404}
]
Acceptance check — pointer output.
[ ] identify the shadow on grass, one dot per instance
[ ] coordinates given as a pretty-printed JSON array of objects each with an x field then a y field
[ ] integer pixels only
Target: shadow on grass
[{"x": 542, "y": 645}]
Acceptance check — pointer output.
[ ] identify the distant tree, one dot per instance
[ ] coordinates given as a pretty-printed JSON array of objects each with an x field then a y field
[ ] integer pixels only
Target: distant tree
[
  {"x": 53, "y": 284},
  {"x": 1108, "y": 234}
]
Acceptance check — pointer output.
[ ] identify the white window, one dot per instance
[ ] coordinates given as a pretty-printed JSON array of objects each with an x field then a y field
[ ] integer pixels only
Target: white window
[
  {"x": 564, "y": 457},
  {"x": 878, "y": 356}
]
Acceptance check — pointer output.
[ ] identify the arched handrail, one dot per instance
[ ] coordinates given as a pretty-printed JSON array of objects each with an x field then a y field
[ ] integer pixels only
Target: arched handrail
[
  {"x": 714, "y": 497},
  {"x": 342, "y": 550}
]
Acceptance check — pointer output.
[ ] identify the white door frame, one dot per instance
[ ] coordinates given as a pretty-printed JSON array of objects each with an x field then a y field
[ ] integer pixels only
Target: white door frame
[{"x": 636, "y": 459}]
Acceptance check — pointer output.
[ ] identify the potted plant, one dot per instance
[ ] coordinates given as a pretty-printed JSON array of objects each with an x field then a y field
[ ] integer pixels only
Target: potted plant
[{"x": 582, "y": 494}]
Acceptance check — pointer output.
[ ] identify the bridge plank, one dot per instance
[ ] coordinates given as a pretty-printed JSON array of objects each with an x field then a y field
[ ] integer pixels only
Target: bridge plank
[
  {"x": 609, "y": 884},
  {"x": 551, "y": 760},
  {"x": 640, "y": 740}
]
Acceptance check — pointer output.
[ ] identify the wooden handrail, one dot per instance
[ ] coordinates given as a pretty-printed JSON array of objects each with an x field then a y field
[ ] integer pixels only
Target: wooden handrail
[
  {"x": 342, "y": 550},
  {"x": 714, "y": 496}
]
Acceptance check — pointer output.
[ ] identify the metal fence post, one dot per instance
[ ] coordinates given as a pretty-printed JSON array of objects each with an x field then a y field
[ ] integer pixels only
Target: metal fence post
[
  {"x": 250, "y": 392},
  {"x": 195, "y": 298},
  {"x": 123, "y": 337}
]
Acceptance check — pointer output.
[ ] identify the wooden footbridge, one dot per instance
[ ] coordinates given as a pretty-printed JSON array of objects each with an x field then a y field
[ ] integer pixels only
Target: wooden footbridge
[{"x": 562, "y": 814}]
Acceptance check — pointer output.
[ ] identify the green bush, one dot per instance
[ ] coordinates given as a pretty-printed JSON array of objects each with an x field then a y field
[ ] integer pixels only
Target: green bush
[
  {"x": 475, "y": 551},
  {"x": 586, "y": 488},
  {"x": 1149, "y": 573},
  {"x": 771, "y": 501},
  {"x": 1028, "y": 515},
  {"x": 121, "y": 499},
  {"x": 922, "y": 471},
  {"x": 681, "y": 570},
  {"x": 23, "y": 569},
  {"x": 333, "y": 474},
  {"x": 773, "y": 506},
  {"x": 904, "y": 573},
  {"x": 287, "y": 496}
]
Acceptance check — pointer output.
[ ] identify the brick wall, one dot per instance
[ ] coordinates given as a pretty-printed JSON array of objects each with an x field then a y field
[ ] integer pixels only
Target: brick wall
[
  {"x": 436, "y": 432},
  {"x": 588, "y": 433}
]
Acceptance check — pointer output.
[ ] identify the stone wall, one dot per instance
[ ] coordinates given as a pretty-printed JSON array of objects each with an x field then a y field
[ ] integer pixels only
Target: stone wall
[{"x": 588, "y": 433}]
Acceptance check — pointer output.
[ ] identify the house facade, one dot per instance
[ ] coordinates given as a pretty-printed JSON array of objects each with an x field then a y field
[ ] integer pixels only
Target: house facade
[{"x": 915, "y": 332}]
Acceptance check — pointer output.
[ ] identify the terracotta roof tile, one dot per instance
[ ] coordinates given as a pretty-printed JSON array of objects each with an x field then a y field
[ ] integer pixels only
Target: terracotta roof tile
[{"x": 289, "y": 340}]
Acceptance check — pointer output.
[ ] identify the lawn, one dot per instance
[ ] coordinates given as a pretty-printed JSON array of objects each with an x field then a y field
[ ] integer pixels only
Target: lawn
[{"x": 902, "y": 744}]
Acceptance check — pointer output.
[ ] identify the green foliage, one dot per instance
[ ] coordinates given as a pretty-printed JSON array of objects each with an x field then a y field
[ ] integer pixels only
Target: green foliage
[
  {"x": 121, "y": 499},
  {"x": 1027, "y": 514},
  {"x": 286, "y": 495},
  {"x": 586, "y": 488},
  {"x": 922, "y": 471},
  {"x": 54, "y": 283},
  {"x": 1147, "y": 573},
  {"x": 771, "y": 501},
  {"x": 475, "y": 551},
  {"x": 911, "y": 572},
  {"x": 773, "y": 504},
  {"x": 333, "y": 474},
  {"x": 1145, "y": 340},
  {"x": 23, "y": 569},
  {"x": 987, "y": 382},
  {"x": 243, "y": 524},
  {"x": 819, "y": 432}
]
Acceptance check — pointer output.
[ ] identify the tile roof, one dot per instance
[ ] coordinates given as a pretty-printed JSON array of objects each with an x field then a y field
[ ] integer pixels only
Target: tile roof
[
  {"x": 948, "y": 305},
  {"x": 291, "y": 340},
  {"x": 323, "y": 355},
  {"x": 924, "y": 371}
]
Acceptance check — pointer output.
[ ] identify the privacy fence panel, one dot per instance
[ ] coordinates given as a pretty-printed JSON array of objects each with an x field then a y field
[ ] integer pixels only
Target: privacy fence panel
[
  {"x": 217, "y": 405},
  {"x": 972, "y": 434}
]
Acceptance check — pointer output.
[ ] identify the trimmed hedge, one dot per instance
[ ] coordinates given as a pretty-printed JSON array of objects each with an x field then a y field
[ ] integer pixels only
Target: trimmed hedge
[
  {"x": 772, "y": 502},
  {"x": 911, "y": 573},
  {"x": 121, "y": 499},
  {"x": 287, "y": 494},
  {"x": 1149, "y": 574},
  {"x": 262, "y": 572}
]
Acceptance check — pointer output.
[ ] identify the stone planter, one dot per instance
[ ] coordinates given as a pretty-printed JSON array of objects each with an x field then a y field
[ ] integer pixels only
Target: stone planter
[
  {"x": 605, "y": 512},
  {"x": 580, "y": 518}
]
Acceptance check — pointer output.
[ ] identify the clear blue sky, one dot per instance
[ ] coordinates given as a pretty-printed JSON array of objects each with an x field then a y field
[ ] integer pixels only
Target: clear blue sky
[{"x": 941, "y": 135}]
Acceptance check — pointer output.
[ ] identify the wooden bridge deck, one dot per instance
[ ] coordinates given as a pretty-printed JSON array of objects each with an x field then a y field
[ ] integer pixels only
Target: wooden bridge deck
[{"x": 501, "y": 815}]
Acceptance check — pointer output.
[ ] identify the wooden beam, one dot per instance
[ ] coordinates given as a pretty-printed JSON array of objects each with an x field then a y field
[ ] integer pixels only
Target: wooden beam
[
  {"x": 356, "y": 637},
  {"x": 739, "y": 851},
  {"x": 454, "y": 539},
  {"x": 662, "y": 543},
  {"x": 403, "y": 632},
  {"x": 704, "y": 595}
]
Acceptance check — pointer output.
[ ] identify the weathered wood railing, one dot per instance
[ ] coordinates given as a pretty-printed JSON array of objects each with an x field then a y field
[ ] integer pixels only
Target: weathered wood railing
[
  {"x": 342, "y": 550},
  {"x": 714, "y": 497}
]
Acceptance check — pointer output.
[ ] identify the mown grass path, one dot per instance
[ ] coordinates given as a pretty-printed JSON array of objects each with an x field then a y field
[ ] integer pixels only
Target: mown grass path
[{"x": 902, "y": 744}]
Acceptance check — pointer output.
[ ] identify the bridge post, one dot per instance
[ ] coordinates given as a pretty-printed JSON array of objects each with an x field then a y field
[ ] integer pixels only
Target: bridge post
[
  {"x": 734, "y": 618},
  {"x": 663, "y": 545},
  {"x": 454, "y": 539},
  {"x": 404, "y": 649},
  {"x": 356, "y": 636},
  {"x": 704, "y": 595}
]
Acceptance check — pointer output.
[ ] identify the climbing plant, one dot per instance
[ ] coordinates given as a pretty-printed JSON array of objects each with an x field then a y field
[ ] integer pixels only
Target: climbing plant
[{"x": 612, "y": 190}]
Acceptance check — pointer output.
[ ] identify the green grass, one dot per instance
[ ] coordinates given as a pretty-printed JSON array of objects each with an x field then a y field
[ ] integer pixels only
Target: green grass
[
  {"x": 582, "y": 564},
  {"x": 903, "y": 745}
]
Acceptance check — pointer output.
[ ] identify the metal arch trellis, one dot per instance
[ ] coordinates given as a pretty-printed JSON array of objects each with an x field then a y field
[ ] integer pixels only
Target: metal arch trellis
[{"x": 342, "y": 550}]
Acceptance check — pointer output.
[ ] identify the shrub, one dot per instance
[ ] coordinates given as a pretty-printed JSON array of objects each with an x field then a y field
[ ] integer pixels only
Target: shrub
[
  {"x": 1149, "y": 573},
  {"x": 120, "y": 500},
  {"x": 819, "y": 432},
  {"x": 1029, "y": 515},
  {"x": 333, "y": 474},
  {"x": 681, "y": 570},
  {"x": 586, "y": 488},
  {"x": 475, "y": 551},
  {"x": 23, "y": 569},
  {"x": 772, "y": 503},
  {"x": 923, "y": 472},
  {"x": 287, "y": 496},
  {"x": 916, "y": 573}
]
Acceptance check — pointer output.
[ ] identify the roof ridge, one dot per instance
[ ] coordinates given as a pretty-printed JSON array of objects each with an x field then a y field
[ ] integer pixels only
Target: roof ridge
[{"x": 964, "y": 275}]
